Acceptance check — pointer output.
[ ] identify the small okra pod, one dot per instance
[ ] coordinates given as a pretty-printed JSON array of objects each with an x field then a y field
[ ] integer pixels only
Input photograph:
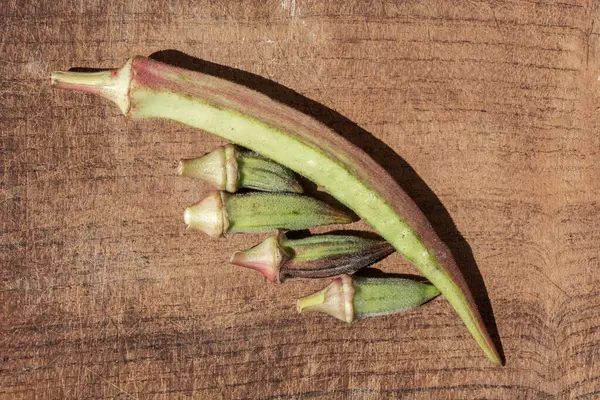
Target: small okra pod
[
  {"x": 220, "y": 213},
  {"x": 318, "y": 256},
  {"x": 350, "y": 298},
  {"x": 231, "y": 167}
]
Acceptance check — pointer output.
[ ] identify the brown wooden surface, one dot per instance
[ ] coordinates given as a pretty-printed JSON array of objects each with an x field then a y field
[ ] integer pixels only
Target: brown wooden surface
[{"x": 486, "y": 112}]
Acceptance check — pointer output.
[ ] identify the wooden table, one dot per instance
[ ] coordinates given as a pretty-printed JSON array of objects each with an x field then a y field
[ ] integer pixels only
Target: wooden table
[{"x": 485, "y": 112}]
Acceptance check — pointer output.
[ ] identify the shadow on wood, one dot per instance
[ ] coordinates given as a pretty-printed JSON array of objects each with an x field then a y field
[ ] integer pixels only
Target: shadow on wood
[{"x": 399, "y": 169}]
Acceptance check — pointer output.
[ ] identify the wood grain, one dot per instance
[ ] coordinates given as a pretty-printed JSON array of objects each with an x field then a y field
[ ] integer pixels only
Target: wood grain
[{"x": 486, "y": 112}]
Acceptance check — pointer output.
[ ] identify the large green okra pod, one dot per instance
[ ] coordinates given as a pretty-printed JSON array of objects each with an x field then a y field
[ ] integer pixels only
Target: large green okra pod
[{"x": 145, "y": 88}]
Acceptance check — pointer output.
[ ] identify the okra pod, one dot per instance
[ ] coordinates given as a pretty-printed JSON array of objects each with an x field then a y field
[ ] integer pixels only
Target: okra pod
[
  {"x": 231, "y": 168},
  {"x": 221, "y": 212},
  {"x": 317, "y": 256},
  {"x": 350, "y": 298}
]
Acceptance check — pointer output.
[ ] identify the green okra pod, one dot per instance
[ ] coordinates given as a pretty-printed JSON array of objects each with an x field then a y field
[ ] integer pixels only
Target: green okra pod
[
  {"x": 350, "y": 298},
  {"x": 231, "y": 168},
  {"x": 316, "y": 256},
  {"x": 221, "y": 212},
  {"x": 145, "y": 88}
]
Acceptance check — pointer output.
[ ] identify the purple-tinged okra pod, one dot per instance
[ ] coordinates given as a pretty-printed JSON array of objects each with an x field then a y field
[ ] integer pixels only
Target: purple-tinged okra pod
[
  {"x": 230, "y": 168},
  {"x": 350, "y": 298},
  {"x": 146, "y": 88},
  {"x": 317, "y": 256},
  {"x": 220, "y": 213}
]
